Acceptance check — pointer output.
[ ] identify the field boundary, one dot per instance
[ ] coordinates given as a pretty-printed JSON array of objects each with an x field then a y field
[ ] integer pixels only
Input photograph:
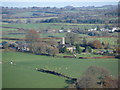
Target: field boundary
[{"x": 104, "y": 57}]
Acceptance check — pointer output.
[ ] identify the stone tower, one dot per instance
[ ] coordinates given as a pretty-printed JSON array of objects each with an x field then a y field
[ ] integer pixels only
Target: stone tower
[{"x": 63, "y": 40}]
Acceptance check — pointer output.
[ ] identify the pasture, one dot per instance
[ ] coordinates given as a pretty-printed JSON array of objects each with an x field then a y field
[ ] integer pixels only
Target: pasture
[
  {"x": 41, "y": 26},
  {"x": 23, "y": 72},
  {"x": 111, "y": 40}
]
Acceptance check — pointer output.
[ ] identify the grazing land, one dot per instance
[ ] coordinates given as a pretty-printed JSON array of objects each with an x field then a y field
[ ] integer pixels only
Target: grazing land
[
  {"x": 69, "y": 41},
  {"x": 24, "y": 74}
]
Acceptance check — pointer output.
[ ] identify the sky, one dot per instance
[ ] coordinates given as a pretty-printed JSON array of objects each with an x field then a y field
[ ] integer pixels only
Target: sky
[
  {"x": 56, "y": 3},
  {"x": 59, "y": 0}
]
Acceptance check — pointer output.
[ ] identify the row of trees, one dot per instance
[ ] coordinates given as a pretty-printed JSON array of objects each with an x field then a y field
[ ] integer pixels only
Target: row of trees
[{"x": 69, "y": 15}]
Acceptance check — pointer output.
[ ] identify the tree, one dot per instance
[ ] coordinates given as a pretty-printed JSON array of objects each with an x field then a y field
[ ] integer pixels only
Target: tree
[
  {"x": 88, "y": 49},
  {"x": 63, "y": 49},
  {"x": 72, "y": 38},
  {"x": 96, "y": 44},
  {"x": 52, "y": 42},
  {"x": 86, "y": 81},
  {"x": 78, "y": 50},
  {"x": 52, "y": 51},
  {"x": 106, "y": 26},
  {"x": 97, "y": 77},
  {"x": 98, "y": 28},
  {"x": 84, "y": 41},
  {"x": 110, "y": 82},
  {"x": 105, "y": 45},
  {"x": 94, "y": 77},
  {"x": 32, "y": 36},
  {"x": 6, "y": 45}
]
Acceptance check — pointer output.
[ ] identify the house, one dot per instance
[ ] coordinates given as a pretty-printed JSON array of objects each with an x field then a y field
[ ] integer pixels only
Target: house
[
  {"x": 60, "y": 31},
  {"x": 22, "y": 46},
  {"x": 2, "y": 44},
  {"x": 68, "y": 30},
  {"x": 70, "y": 48}
]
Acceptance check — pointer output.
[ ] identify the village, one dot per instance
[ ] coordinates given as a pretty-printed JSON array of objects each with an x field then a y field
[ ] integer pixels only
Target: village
[
  {"x": 59, "y": 45},
  {"x": 64, "y": 45}
]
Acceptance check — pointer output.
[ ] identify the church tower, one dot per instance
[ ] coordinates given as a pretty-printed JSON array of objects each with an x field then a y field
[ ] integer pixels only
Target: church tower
[{"x": 63, "y": 40}]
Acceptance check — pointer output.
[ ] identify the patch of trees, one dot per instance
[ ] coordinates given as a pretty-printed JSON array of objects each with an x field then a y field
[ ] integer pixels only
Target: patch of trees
[
  {"x": 91, "y": 15},
  {"x": 95, "y": 44},
  {"x": 89, "y": 21},
  {"x": 72, "y": 38},
  {"x": 96, "y": 77},
  {"x": 36, "y": 46}
]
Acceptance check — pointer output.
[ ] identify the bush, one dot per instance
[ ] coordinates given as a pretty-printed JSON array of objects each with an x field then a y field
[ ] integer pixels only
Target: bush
[
  {"x": 96, "y": 44},
  {"x": 78, "y": 50},
  {"x": 88, "y": 49}
]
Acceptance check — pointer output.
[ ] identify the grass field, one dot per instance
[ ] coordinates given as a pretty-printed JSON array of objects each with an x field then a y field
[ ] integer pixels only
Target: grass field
[
  {"x": 8, "y": 29},
  {"x": 40, "y": 26},
  {"x": 111, "y": 41},
  {"x": 25, "y": 19},
  {"x": 24, "y": 75}
]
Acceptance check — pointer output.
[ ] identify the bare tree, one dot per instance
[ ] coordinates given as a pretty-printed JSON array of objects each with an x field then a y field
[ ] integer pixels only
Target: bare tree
[
  {"x": 87, "y": 81},
  {"x": 32, "y": 36},
  {"x": 72, "y": 38},
  {"x": 97, "y": 77}
]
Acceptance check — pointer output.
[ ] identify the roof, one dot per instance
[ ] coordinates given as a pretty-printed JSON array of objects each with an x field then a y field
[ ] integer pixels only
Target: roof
[{"x": 65, "y": 45}]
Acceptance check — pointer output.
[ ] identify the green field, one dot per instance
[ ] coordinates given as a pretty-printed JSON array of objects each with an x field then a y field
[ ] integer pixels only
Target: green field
[
  {"x": 111, "y": 40},
  {"x": 40, "y": 26},
  {"x": 24, "y": 75},
  {"x": 8, "y": 29}
]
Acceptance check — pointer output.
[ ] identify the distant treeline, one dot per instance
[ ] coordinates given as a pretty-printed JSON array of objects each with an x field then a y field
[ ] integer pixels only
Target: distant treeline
[{"x": 68, "y": 14}]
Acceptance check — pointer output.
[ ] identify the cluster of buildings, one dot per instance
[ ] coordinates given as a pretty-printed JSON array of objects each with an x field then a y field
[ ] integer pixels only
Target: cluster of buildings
[
  {"x": 23, "y": 46},
  {"x": 61, "y": 31},
  {"x": 107, "y": 30}
]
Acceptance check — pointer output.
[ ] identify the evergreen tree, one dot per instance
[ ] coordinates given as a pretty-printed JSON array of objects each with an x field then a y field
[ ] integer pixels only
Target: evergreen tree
[
  {"x": 63, "y": 50},
  {"x": 78, "y": 50},
  {"x": 88, "y": 49},
  {"x": 98, "y": 28}
]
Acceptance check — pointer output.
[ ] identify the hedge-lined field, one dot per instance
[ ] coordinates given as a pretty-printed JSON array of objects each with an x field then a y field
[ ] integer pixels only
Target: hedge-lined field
[
  {"x": 23, "y": 73},
  {"x": 40, "y": 26}
]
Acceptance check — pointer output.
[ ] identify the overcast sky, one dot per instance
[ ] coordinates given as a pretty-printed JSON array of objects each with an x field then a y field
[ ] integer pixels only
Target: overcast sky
[{"x": 59, "y": 0}]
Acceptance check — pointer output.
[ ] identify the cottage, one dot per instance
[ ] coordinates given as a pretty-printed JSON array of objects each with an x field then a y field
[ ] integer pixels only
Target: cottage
[
  {"x": 70, "y": 48},
  {"x": 60, "y": 31},
  {"x": 68, "y": 30}
]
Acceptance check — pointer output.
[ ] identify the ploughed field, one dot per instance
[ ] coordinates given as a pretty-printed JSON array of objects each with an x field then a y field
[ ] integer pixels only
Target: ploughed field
[{"x": 23, "y": 74}]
